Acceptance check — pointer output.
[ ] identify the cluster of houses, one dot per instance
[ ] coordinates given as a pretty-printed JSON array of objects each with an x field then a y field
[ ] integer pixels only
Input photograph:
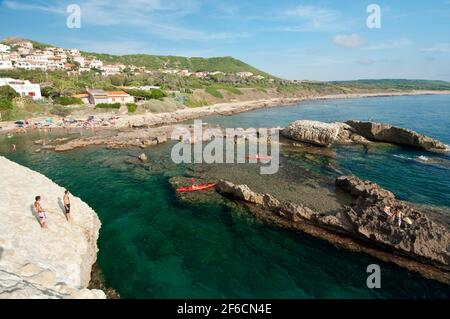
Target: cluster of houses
[
  {"x": 206, "y": 74},
  {"x": 27, "y": 89},
  {"x": 21, "y": 54}
]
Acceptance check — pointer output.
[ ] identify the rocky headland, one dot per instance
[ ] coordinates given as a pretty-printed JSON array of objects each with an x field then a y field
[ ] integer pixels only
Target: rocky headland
[
  {"x": 44, "y": 263},
  {"x": 421, "y": 245}
]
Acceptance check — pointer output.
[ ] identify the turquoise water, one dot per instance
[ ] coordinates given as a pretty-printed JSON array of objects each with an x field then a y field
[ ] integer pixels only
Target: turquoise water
[
  {"x": 154, "y": 246},
  {"x": 413, "y": 175}
]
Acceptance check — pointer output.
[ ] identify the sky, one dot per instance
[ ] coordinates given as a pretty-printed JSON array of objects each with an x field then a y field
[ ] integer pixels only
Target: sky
[{"x": 293, "y": 39}]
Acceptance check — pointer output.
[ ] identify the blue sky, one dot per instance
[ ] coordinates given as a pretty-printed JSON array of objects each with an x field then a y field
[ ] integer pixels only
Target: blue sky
[{"x": 315, "y": 40}]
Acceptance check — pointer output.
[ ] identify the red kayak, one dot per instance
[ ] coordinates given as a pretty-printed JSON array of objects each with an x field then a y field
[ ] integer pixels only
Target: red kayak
[
  {"x": 195, "y": 189},
  {"x": 263, "y": 158}
]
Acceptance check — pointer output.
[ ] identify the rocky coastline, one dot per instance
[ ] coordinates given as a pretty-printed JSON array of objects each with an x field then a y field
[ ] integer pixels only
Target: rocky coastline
[{"x": 227, "y": 109}]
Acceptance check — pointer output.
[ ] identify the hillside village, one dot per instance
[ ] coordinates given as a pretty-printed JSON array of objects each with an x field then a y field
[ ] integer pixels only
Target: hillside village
[
  {"x": 37, "y": 79},
  {"x": 21, "y": 54},
  {"x": 20, "y": 59}
]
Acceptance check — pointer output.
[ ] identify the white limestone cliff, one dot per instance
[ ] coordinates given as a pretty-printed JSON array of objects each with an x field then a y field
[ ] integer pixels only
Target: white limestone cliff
[{"x": 43, "y": 263}]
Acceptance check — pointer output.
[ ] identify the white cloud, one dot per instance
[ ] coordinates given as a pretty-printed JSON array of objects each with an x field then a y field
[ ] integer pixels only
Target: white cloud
[
  {"x": 308, "y": 18},
  {"x": 157, "y": 17},
  {"x": 315, "y": 16},
  {"x": 390, "y": 45},
  {"x": 15, "y": 5},
  {"x": 438, "y": 48},
  {"x": 370, "y": 61},
  {"x": 348, "y": 41}
]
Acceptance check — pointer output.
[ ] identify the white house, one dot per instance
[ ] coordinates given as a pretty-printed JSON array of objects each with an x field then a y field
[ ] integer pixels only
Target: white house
[
  {"x": 74, "y": 52},
  {"x": 111, "y": 69},
  {"x": 81, "y": 60},
  {"x": 97, "y": 64},
  {"x": 100, "y": 96},
  {"x": 37, "y": 58},
  {"x": 25, "y": 44},
  {"x": 120, "y": 97},
  {"x": 6, "y": 65},
  {"x": 14, "y": 56},
  {"x": 23, "y": 51},
  {"x": 55, "y": 65},
  {"x": 4, "y": 48},
  {"x": 23, "y": 65},
  {"x": 24, "y": 88},
  {"x": 48, "y": 53},
  {"x": 60, "y": 52},
  {"x": 244, "y": 74}
]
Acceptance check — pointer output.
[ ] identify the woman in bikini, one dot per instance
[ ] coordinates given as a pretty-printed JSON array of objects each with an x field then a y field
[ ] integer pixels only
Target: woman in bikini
[{"x": 40, "y": 212}]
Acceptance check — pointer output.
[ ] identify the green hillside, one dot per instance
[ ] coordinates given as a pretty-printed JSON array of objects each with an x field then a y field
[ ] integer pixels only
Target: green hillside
[{"x": 223, "y": 64}]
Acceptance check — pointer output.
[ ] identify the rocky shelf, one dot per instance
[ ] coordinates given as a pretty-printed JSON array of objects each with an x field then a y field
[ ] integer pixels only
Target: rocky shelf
[{"x": 421, "y": 245}]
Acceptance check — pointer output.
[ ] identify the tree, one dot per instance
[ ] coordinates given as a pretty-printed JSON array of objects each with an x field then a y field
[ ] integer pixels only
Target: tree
[
  {"x": 64, "y": 87},
  {"x": 49, "y": 92},
  {"x": 8, "y": 93}
]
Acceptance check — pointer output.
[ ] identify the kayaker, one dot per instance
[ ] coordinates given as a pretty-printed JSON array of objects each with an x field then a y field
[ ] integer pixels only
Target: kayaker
[{"x": 194, "y": 185}]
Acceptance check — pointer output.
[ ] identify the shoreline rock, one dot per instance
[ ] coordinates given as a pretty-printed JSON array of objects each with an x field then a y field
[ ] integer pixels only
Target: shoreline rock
[
  {"x": 52, "y": 263},
  {"x": 381, "y": 132},
  {"x": 362, "y": 227}
]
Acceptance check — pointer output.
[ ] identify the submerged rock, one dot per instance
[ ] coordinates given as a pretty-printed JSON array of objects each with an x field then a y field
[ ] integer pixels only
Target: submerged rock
[
  {"x": 143, "y": 158},
  {"x": 391, "y": 134},
  {"x": 43, "y": 263}
]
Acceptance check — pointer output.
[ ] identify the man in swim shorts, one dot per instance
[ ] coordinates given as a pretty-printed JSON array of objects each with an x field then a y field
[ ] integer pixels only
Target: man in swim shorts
[
  {"x": 40, "y": 212},
  {"x": 67, "y": 204}
]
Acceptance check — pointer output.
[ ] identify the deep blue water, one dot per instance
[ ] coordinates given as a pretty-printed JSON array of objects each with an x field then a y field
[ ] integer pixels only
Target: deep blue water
[{"x": 154, "y": 246}]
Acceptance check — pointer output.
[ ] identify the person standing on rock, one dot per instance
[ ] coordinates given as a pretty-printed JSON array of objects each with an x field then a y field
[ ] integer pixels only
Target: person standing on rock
[
  {"x": 399, "y": 215},
  {"x": 40, "y": 212},
  {"x": 67, "y": 205}
]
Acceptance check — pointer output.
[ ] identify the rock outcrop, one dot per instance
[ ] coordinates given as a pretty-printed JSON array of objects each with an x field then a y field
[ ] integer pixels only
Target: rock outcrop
[
  {"x": 423, "y": 240},
  {"x": 422, "y": 246},
  {"x": 328, "y": 134},
  {"x": 43, "y": 263},
  {"x": 313, "y": 132},
  {"x": 321, "y": 134},
  {"x": 391, "y": 134}
]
